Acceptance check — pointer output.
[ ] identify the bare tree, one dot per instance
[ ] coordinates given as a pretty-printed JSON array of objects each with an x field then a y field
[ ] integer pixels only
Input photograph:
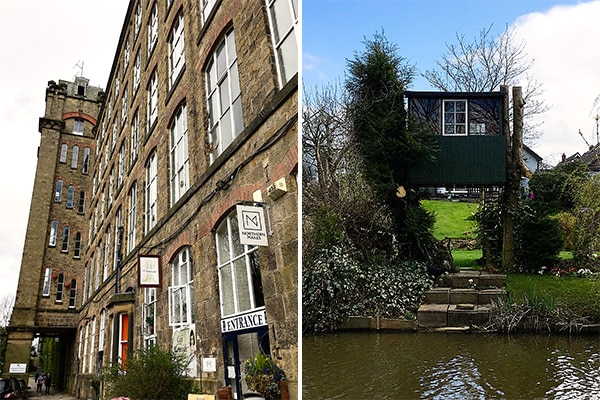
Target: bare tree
[
  {"x": 332, "y": 178},
  {"x": 488, "y": 63},
  {"x": 7, "y": 303}
]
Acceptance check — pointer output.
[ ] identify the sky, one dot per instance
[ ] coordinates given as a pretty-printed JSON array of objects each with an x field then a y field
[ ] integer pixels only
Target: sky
[
  {"x": 562, "y": 38},
  {"x": 42, "y": 40}
]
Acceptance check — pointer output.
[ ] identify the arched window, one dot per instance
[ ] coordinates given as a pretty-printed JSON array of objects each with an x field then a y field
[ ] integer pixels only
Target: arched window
[
  {"x": 181, "y": 291},
  {"x": 240, "y": 281}
]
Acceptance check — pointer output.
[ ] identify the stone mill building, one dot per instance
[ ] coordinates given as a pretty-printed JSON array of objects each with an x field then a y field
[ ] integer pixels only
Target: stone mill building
[{"x": 165, "y": 207}]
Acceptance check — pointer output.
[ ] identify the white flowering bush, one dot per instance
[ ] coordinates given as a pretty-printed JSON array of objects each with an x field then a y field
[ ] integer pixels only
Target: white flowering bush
[{"x": 335, "y": 286}]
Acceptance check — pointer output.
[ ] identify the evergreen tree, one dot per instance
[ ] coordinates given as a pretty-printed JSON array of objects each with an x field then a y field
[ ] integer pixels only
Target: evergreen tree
[{"x": 376, "y": 82}]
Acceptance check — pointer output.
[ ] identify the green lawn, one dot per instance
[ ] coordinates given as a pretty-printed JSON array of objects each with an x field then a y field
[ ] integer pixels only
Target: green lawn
[
  {"x": 580, "y": 295},
  {"x": 452, "y": 219}
]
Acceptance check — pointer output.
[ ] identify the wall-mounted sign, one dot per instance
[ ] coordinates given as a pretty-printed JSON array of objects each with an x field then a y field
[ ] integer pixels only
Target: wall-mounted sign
[
  {"x": 18, "y": 368},
  {"x": 184, "y": 342},
  {"x": 209, "y": 364},
  {"x": 149, "y": 271},
  {"x": 251, "y": 222},
  {"x": 244, "y": 321}
]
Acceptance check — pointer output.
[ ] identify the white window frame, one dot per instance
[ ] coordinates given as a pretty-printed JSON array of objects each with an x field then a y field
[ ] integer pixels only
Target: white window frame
[
  {"x": 58, "y": 191},
  {"x": 102, "y": 334},
  {"x": 85, "y": 348},
  {"x": 75, "y": 157},
  {"x": 181, "y": 291},
  {"x": 224, "y": 100},
  {"x": 63, "y": 153},
  {"x": 131, "y": 222},
  {"x": 124, "y": 106},
  {"x": 135, "y": 129},
  {"x": 123, "y": 342},
  {"x": 86, "y": 161},
  {"x": 176, "y": 50},
  {"x": 152, "y": 30},
  {"x": 105, "y": 269},
  {"x": 455, "y": 115},
  {"x": 47, "y": 277},
  {"x": 180, "y": 181},
  {"x": 136, "y": 72},
  {"x": 206, "y": 6},
  {"x": 78, "y": 126},
  {"x": 92, "y": 345},
  {"x": 53, "y": 233},
  {"x": 127, "y": 54},
  {"x": 283, "y": 18},
  {"x": 151, "y": 197},
  {"x": 236, "y": 278},
  {"x": 149, "y": 317},
  {"x": 138, "y": 18},
  {"x": 152, "y": 101},
  {"x": 121, "y": 166}
]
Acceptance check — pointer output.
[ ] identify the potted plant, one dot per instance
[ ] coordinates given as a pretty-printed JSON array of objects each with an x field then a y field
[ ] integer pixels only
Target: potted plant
[{"x": 263, "y": 376}]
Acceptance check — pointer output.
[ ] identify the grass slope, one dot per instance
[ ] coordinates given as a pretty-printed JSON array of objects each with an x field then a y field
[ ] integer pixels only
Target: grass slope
[{"x": 452, "y": 219}]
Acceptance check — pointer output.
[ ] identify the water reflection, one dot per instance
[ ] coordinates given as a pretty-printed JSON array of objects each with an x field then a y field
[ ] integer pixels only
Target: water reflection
[{"x": 449, "y": 366}]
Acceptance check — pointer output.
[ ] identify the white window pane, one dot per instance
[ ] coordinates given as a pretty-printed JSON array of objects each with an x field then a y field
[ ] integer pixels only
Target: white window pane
[
  {"x": 288, "y": 53},
  {"x": 241, "y": 283}
]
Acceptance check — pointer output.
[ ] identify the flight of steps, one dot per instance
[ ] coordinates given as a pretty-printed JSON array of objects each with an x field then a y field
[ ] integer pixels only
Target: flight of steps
[{"x": 461, "y": 300}]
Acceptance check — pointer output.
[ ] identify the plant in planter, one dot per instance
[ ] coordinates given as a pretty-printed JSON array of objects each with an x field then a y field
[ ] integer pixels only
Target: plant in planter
[{"x": 263, "y": 376}]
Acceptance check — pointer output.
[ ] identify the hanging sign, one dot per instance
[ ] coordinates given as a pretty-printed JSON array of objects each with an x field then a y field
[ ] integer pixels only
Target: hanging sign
[
  {"x": 251, "y": 223},
  {"x": 149, "y": 271}
]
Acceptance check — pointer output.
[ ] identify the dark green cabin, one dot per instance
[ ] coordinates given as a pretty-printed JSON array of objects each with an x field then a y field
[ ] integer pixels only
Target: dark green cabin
[{"x": 470, "y": 133}]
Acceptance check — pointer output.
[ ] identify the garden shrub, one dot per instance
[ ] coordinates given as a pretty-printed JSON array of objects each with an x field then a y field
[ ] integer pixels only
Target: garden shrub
[
  {"x": 335, "y": 286},
  {"x": 151, "y": 374}
]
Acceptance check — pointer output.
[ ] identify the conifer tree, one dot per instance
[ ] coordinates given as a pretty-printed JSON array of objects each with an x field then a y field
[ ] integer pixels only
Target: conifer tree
[{"x": 376, "y": 81}]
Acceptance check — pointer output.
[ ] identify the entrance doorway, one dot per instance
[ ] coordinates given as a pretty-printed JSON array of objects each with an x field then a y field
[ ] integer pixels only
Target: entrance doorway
[{"x": 239, "y": 347}]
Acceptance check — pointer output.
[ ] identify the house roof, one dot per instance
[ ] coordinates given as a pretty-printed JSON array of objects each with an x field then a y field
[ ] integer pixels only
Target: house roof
[
  {"x": 535, "y": 155},
  {"x": 591, "y": 157}
]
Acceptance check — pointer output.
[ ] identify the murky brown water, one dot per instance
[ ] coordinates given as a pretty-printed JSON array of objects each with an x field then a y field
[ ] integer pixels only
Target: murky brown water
[{"x": 449, "y": 366}]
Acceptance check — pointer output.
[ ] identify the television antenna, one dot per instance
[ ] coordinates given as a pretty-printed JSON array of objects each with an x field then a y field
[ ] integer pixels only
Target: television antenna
[{"x": 79, "y": 64}]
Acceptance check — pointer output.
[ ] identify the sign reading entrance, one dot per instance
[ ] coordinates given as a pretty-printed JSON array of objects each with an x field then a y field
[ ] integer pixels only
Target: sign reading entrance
[
  {"x": 251, "y": 222},
  {"x": 245, "y": 321}
]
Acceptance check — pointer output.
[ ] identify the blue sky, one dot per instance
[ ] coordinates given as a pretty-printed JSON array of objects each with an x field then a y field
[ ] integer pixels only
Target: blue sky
[{"x": 561, "y": 37}]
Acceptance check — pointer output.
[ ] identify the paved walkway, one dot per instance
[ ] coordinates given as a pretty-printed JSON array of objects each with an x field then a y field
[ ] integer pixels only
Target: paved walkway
[{"x": 52, "y": 396}]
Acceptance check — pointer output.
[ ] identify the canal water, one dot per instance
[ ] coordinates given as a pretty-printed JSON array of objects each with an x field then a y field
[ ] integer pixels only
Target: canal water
[{"x": 450, "y": 366}]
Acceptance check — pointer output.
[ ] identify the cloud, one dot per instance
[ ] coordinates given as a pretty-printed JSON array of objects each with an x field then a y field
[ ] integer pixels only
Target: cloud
[{"x": 562, "y": 43}]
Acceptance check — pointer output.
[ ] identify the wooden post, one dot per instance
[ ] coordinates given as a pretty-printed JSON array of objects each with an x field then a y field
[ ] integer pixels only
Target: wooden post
[{"x": 513, "y": 176}]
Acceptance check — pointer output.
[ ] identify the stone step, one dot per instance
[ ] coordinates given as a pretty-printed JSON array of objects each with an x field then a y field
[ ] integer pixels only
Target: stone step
[
  {"x": 452, "y": 315},
  {"x": 466, "y": 279},
  {"x": 445, "y": 295}
]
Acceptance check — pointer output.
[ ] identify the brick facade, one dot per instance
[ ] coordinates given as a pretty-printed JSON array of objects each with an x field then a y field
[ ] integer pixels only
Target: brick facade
[{"x": 110, "y": 300}]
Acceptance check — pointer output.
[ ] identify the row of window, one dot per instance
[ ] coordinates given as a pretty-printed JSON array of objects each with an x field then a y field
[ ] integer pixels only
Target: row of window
[
  {"x": 179, "y": 182},
  {"x": 58, "y": 195},
  {"x": 224, "y": 99},
  {"x": 61, "y": 285},
  {"x": 65, "y": 239},
  {"x": 239, "y": 274},
  {"x": 75, "y": 157}
]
